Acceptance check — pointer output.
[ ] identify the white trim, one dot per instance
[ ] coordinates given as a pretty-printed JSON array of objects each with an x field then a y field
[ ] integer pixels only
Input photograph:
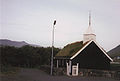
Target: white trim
[
  {"x": 103, "y": 51},
  {"x": 87, "y": 45}
]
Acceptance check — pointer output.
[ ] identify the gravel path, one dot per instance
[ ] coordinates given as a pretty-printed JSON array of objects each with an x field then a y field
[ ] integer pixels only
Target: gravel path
[{"x": 38, "y": 75}]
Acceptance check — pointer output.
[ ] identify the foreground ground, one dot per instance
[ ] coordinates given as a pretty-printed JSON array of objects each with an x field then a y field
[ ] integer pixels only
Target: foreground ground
[{"x": 38, "y": 75}]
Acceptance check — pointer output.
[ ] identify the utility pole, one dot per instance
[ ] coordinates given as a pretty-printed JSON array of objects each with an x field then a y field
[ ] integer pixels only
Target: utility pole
[{"x": 52, "y": 48}]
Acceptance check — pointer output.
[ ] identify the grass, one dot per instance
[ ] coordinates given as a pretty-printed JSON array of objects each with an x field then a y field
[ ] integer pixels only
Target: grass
[
  {"x": 8, "y": 70},
  {"x": 115, "y": 66},
  {"x": 70, "y": 49}
]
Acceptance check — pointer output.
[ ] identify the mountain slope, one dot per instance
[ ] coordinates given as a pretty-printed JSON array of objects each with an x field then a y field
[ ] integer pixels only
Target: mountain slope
[
  {"x": 115, "y": 51},
  {"x": 6, "y": 42}
]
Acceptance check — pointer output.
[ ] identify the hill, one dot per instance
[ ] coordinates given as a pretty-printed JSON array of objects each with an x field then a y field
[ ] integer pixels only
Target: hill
[
  {"x": 114, "y": 52},
  {"x": 6, "y": 42}
]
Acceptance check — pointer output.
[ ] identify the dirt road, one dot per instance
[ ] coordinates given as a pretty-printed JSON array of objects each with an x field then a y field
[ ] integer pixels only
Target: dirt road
[{"x": 38, "y": 75}]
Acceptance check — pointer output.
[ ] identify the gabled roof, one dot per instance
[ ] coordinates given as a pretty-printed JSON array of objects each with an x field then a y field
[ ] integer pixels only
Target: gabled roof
[
  {"x": 73, "y": 49},
  {"x": 87, "y": 45}
]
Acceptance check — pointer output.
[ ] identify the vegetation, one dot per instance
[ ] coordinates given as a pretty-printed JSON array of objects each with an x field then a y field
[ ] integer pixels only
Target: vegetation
[
  {"x": 9, "y": 70},
  {"x": 115, "y": 66},
  {"x": 26, "y": 56},
  {"x": 71, "y": 49}
]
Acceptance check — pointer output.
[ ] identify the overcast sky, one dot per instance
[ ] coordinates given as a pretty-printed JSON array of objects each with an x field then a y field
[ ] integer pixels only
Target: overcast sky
[{"x": 32, "y": 20}]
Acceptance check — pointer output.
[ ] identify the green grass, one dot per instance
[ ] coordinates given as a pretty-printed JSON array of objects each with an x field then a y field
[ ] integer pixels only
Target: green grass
[
  {"x": 8, "y": 70},
  {"x": 71, "y": 49}
]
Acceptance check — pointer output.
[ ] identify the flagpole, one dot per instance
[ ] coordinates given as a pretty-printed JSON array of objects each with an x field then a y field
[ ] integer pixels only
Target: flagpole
[{"x": 52, "y": 48}]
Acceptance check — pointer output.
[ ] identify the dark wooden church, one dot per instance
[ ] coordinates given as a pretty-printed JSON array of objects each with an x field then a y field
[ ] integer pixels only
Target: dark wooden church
[{"x": 87, "y": 53}]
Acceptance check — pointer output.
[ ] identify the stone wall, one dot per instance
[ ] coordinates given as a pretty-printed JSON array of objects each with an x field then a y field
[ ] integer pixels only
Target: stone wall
[{"x": 90, "y": 73}]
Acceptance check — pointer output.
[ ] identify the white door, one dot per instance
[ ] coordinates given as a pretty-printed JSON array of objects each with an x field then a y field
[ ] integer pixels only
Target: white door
[{"x": 75, "y": 70}]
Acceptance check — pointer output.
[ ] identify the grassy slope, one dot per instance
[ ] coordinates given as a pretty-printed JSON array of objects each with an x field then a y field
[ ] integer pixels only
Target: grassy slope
[{"x": 70, "y": 49}]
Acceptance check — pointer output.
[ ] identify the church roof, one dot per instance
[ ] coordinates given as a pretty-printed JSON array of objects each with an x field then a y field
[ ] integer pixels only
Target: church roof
[
  {"x": 70, "y": 49},
  {"x": 73, "y": 49}
]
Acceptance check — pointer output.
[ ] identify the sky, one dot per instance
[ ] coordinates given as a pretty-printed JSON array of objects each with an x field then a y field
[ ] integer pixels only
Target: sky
[{"x": 32, "y": 21}]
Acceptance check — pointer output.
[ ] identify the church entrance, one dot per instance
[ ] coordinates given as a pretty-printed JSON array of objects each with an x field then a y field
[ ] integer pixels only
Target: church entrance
[{"x": 72, "y": 69}]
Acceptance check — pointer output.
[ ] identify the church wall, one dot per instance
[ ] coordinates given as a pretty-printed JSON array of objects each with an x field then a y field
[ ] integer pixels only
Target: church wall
[{"x": 92, "y": 58}]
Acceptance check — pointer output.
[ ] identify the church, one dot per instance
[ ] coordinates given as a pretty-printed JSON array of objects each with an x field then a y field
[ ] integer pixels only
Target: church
[{"x": 87, "y": 53}]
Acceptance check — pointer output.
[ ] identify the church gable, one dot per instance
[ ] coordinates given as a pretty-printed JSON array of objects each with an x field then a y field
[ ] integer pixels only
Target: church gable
[
  {"x": 92, "y": 57},
  {"x": 95, "y": 50}
]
